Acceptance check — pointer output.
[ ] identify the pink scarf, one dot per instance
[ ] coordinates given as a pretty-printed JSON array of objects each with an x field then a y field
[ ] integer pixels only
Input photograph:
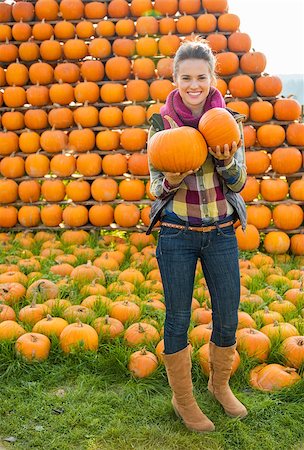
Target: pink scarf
[{"x": 178, "y": 111}]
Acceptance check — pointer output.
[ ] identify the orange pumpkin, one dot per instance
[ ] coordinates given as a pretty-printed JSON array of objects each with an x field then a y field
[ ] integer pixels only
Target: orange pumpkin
[
  {"x": 296, "y": 189},
  {"x": 257, "y": 162},
  {"x": 292, "y": 349},
  {"x": 270, "y": 135},
  {"x": 33, "y": 346},
  {"x": 9, "y": 329},
  {"x": 141, "y": 333},
  {"x": 219, "y": 127},
  {"x": 108, "y": 327},
  {"x": 295, "y": 134},
  {"x": 251, "y": 189},
  {"x": 259, "y": 215},
  {"x": 126, "y": 215},
  {"x": 206, "y": 23},
  {"x": 286, "y": 160},
  {"x": 253, "y": 62},
  {"x": 288, "y": 216},
  {"x": 297, "y": 244},
  {"x": 142, "y": 363},
  {"x": 276, "y": 242},
  {"x": 248, "y": 239},
  {"x": 254, "y": 343},
  {"x": 268, "y": 86},
  {"x": 101, "y": 215},
  {"x": 287, "y": 109},
  {"x": 274, "y": 189},
  {"x": 168, "y": 150},
  {"x": 272, "y": 377},
  {"x": 78, "y": 335}
]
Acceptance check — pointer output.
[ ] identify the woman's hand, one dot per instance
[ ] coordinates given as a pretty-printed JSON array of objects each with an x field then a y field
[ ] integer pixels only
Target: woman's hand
[
  {"x": 176, "y": 178},
  {"x": 226, "y": 154}
]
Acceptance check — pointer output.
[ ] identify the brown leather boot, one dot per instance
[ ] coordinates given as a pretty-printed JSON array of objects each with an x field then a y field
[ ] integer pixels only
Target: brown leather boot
[
  {"x": 178, "y": 366},
  {"x": 221, "y": 359}
]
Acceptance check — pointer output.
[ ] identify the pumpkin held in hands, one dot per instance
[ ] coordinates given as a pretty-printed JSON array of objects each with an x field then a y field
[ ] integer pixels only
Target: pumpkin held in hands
[
  {"x": 177, "y": 150},
  {"x": 219, "y": 127}
]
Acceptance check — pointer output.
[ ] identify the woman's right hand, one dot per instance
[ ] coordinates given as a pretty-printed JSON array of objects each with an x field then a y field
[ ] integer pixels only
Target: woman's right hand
[{"x": 176, "y": 178}]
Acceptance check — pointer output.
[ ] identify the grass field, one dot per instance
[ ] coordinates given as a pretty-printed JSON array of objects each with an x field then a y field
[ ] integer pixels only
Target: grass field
[{"x": 90, "y": 401}]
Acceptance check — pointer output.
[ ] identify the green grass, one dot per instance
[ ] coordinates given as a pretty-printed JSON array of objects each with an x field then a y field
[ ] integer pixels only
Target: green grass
[{"x": 90, "y": 401}]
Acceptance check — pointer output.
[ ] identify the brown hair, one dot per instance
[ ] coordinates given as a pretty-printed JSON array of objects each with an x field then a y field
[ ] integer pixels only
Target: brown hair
[{"x": 196, "y": 49}]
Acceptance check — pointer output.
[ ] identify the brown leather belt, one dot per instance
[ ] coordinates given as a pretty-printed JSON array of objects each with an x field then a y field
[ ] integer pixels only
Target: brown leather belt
[{"x": 201, "y": 229}]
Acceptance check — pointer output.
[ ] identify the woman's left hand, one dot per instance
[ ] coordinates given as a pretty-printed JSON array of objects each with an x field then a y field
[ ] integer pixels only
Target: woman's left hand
[{"x": 224, "y": 153}]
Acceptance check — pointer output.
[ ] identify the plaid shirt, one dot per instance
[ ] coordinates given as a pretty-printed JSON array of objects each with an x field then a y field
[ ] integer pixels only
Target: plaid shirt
[{"x": 199, "y": 198}]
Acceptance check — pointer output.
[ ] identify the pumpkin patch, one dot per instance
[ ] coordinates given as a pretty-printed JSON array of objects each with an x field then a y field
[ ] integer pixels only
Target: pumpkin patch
[
  {"x": 79, "y": 278},
  {"x": 63, "y": 62}
]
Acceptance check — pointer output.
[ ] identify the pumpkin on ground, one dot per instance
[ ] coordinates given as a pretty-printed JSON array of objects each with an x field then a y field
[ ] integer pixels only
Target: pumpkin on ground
[
  {"x": 33, "y": 346},
  {"x": 142, "y": 363},
  {"x": 78, "y": 335},
  {"x": 272, "y": 377}
]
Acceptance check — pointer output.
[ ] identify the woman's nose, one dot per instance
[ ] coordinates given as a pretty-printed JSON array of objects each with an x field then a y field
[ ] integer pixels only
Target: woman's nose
[{"x": 194, "y": 83}]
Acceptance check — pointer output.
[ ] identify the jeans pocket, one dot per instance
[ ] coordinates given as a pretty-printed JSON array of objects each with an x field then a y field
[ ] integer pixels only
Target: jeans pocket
[
  {"x": 170, "y": 240},
  {"x": 227, "y": 232},
  {"x": 168, "y": 233}
]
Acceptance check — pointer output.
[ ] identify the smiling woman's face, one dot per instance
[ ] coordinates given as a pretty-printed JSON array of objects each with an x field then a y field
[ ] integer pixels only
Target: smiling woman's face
[{"x": 193, "y": 80}]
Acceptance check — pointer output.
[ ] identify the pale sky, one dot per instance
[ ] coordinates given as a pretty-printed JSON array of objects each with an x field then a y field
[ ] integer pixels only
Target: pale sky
[{"x": 276, "y": 28}]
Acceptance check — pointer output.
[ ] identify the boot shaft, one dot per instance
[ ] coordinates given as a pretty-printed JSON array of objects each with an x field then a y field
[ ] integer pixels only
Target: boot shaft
[{"x": 178, "y": 367}]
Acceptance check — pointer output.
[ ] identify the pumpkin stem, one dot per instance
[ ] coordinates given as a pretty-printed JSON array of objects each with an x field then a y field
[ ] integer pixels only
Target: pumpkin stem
[
  {"x": 143, "y": 351},
  {"x": 49, "y": 317},
  {"x": 79, "y": 323},
  {"x": 107, "y": 317},
  {"x": 141, "y": 328},
  {"x": 34, "y": 300},
  {"x": 172, "y": 123},
  {"x": 290, "y": 369}
]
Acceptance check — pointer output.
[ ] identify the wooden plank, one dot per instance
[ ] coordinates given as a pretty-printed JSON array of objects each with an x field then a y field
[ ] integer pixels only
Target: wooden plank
[
  {"x": 116, "y": 19},
  {"x": 286, "y": 201},
  {"x": 142, "y": 228},
  {"x": 85, "y": 203},
  {"x": 94, "y": 150},
  {"x": 19, "y": 228}
]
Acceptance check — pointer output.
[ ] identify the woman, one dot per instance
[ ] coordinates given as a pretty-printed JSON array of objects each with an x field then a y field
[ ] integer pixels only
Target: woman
[{"x": 197, "y": 210}]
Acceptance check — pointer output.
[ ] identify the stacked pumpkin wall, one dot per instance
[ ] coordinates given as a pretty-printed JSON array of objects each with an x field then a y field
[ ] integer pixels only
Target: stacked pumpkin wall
[{"x": 79, "y": 81}]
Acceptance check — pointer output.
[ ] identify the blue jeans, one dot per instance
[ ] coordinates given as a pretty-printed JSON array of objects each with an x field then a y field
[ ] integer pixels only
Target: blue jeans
[{"x": 177, "y": 254}]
